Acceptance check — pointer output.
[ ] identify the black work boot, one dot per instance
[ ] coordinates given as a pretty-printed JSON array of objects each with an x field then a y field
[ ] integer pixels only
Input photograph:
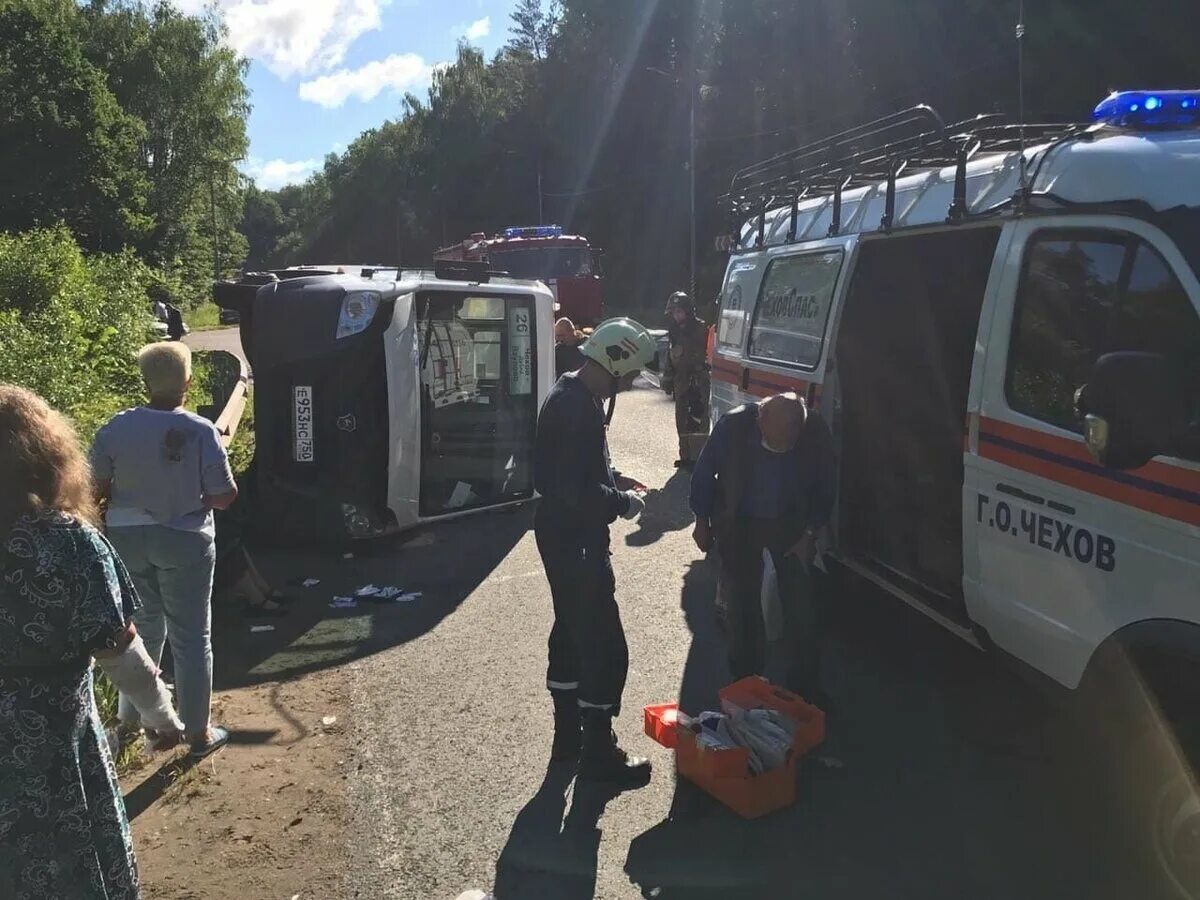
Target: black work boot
[
  {"x": 567, "y": 724},
  {"x": 602, "y": 760}
]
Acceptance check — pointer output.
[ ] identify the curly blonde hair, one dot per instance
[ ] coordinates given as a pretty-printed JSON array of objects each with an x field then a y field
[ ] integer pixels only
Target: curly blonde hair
[{"x": 42, "y": 465}]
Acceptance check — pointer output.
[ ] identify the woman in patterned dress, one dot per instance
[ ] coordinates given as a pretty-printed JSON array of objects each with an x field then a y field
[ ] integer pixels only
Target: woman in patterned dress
[{"x": 65, "y": 598}]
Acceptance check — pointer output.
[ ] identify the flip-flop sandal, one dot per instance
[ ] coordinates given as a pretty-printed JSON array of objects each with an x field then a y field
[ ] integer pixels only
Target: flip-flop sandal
[{"x": 219, "y": 737}]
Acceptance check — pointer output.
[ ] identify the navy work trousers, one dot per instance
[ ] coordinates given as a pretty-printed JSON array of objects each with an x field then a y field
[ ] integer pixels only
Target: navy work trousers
[{"x": 588, "y": 653}]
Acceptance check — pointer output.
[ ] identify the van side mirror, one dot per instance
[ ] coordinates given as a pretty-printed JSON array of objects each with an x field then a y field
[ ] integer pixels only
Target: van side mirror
[{"x": 1133, "y": 409}]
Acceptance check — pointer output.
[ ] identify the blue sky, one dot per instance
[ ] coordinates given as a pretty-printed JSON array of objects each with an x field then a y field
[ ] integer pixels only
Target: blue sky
[{"x": 323, "y": 71}]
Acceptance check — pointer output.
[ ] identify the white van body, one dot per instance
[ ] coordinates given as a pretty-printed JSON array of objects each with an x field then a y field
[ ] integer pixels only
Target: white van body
[{"x": 1018, "y": 540}]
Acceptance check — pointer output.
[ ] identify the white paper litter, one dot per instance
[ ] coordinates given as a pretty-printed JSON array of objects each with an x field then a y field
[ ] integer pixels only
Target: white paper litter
[
  {"x": 310, "y": 582},
  {"x": 343, "y": 603},
  {"x": 255, "y": 629},
  {"x": 328, "y": 720},
  {"x": 367, "y": 590}
]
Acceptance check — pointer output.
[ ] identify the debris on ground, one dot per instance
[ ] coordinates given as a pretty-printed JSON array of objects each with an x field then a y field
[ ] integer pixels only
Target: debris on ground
[
  {"x": 387, "y": 593},
  {"x": 255, "y": 629},
  {"x": 343, "y": 603},
  {"x": 310, "y": 582}
]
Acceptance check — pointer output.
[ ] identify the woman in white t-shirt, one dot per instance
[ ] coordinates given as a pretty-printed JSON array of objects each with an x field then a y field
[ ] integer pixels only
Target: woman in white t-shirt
[{"x": 163, "y": 471}]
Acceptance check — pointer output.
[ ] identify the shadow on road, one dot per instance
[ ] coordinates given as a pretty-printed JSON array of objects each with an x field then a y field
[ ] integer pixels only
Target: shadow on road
[
  {"x": 445, "y": 563},
  {"x": 701, "y": 850},
  {"x": 666, "y": 510},
  {"x": 960, "y": 780},
  {"x": 551, "y": 855}
]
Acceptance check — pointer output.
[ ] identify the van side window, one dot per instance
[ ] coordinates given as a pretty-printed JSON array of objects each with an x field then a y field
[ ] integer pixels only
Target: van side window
[
  {"x": 1086, "y": 294},
  {"x": 1155, "y": 315},
  {"x": 731, "y": 326},
  {"x": 793, "y": 308},
  {"x": 1064, "y": 310}
]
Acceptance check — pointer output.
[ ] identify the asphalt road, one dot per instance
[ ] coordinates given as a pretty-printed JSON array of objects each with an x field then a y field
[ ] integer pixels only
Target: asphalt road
[
  {"x": 959, "y": 780},
  {"x": 227, "y": 339}
]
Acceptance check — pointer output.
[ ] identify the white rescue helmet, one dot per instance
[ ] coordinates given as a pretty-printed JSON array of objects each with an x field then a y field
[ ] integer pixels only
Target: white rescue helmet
[{"x": 621, "y": 346}]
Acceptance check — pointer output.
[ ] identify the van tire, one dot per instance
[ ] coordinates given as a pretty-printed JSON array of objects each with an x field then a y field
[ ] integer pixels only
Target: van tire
[{"x": 1145, "y": 702}]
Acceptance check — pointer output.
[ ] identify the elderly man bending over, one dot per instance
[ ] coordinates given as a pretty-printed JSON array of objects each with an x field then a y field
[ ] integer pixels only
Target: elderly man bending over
[
  {"x": 765, "y": 481},
  {"x": 163, "y": 471}
]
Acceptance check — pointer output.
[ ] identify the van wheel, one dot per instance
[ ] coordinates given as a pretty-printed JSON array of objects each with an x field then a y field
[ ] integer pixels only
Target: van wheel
[
  {"x": 1146, "y": 704},
  {"x": 1175, "y": 822}
]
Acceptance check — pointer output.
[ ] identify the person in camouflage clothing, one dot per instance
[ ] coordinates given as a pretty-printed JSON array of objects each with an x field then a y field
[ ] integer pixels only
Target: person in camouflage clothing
[{"x": 686, "y": 376}]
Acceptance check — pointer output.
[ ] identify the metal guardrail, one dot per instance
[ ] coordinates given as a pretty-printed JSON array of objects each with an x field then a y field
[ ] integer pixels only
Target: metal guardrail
[{"x": 230, "y": 384}]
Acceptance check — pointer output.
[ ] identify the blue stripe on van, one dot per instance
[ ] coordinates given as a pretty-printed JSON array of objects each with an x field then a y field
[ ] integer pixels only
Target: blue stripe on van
[{"x": 1134, "y": 481}]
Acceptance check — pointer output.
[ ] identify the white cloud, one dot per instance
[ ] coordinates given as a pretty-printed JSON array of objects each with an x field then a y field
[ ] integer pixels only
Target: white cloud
[
  {"x": 273, "y": 174},
  {"x": 478, "y": 29},
  {"x": 295, "y": 37},
  {"x": 399, "y": 72}
]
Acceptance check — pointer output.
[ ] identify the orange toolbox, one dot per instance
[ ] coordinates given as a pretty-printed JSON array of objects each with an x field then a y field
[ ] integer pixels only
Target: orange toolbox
[{"x": 725, "y": 773}]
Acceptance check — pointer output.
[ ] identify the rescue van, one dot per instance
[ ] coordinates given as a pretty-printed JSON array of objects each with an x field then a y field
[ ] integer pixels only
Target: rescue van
[
  {"x": 1001, "y": 324},
  {"x": 387, "y": 398}
]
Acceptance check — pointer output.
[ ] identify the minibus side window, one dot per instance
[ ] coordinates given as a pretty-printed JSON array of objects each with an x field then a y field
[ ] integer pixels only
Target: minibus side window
[
  {"x": 793, "y": 308},
  {"x": 1086, "y": 294}
]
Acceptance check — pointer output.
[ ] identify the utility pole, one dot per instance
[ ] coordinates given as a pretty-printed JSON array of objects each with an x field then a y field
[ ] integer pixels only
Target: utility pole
[
  {"x": 541, "y": 211},
  {"x": 212, "y": 196},
  {"x": 692, "y": 88}
]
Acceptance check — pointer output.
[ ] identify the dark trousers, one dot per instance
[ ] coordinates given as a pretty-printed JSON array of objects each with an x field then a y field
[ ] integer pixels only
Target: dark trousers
[
  {"x": 588, "y": 653},
  {"x": 740, "y": 548},
  {"x": 691, "y": 411}
]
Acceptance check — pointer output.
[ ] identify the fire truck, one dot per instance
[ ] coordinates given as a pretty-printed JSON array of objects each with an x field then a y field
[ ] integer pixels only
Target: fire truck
[{"x": 567, "y": 263}]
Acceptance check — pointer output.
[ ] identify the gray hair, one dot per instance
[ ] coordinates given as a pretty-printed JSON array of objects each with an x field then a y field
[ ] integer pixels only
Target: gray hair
[{"x": 166, "y": 369}]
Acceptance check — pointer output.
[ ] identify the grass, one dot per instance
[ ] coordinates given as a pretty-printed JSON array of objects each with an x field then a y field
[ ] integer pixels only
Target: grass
[
  {"x": 130, "y": 755},
  {"x": 241, "y": 449},
  {"x": 204, "y": 317}
]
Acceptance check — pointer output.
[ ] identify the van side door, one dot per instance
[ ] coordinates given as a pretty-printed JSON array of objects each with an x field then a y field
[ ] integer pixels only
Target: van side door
[{"x": 1068, "y": 551}]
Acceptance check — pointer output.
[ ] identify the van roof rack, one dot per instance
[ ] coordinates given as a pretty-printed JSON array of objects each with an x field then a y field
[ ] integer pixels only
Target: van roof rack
[{"x": 880, "y": 150}]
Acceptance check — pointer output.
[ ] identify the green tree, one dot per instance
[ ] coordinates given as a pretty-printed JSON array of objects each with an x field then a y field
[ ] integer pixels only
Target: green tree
[
  {"x": 263, "y": 226},
  {"x": 176, "y": 75},
  {"x": 68, "y": 152}
]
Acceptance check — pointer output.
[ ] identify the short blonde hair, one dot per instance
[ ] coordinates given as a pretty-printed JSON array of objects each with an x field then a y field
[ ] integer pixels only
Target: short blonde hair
[{"x": 166, "y": 369}]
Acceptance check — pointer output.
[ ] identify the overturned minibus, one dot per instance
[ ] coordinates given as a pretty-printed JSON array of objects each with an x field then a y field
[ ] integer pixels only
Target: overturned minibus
[{"x": 387, "y": 398}]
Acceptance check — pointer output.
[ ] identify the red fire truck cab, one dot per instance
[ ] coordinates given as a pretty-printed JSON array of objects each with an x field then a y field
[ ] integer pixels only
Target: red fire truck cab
[{"x": 565, "y": 262}]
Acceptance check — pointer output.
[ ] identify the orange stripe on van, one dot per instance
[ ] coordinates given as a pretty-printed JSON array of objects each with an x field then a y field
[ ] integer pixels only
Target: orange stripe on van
[{"x": 1160, "y": 488}]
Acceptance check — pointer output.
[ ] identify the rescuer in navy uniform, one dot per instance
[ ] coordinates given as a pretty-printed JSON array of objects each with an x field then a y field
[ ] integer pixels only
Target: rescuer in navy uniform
[{"x": 573, "y": 473}]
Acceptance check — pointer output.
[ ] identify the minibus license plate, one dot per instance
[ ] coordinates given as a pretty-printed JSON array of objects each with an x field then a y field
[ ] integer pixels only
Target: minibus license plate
[{"x": 302, "y": 416}]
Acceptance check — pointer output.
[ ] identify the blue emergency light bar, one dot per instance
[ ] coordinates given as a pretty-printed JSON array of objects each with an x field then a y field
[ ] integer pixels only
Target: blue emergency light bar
[
  {"x": 1150, "y": 109},
  {"x": 534, "y": 231}
]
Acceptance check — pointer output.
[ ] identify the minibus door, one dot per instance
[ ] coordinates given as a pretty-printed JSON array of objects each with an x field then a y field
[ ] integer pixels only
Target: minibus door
[{"x": 478, "y": 400}]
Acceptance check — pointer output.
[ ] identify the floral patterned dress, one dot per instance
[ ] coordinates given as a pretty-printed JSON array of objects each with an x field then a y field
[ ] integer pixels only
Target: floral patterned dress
[{"x": 63, "y": 832}]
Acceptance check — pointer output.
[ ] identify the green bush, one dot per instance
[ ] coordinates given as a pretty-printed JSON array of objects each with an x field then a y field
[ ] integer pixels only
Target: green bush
[{"x": 71, "y": 325}]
